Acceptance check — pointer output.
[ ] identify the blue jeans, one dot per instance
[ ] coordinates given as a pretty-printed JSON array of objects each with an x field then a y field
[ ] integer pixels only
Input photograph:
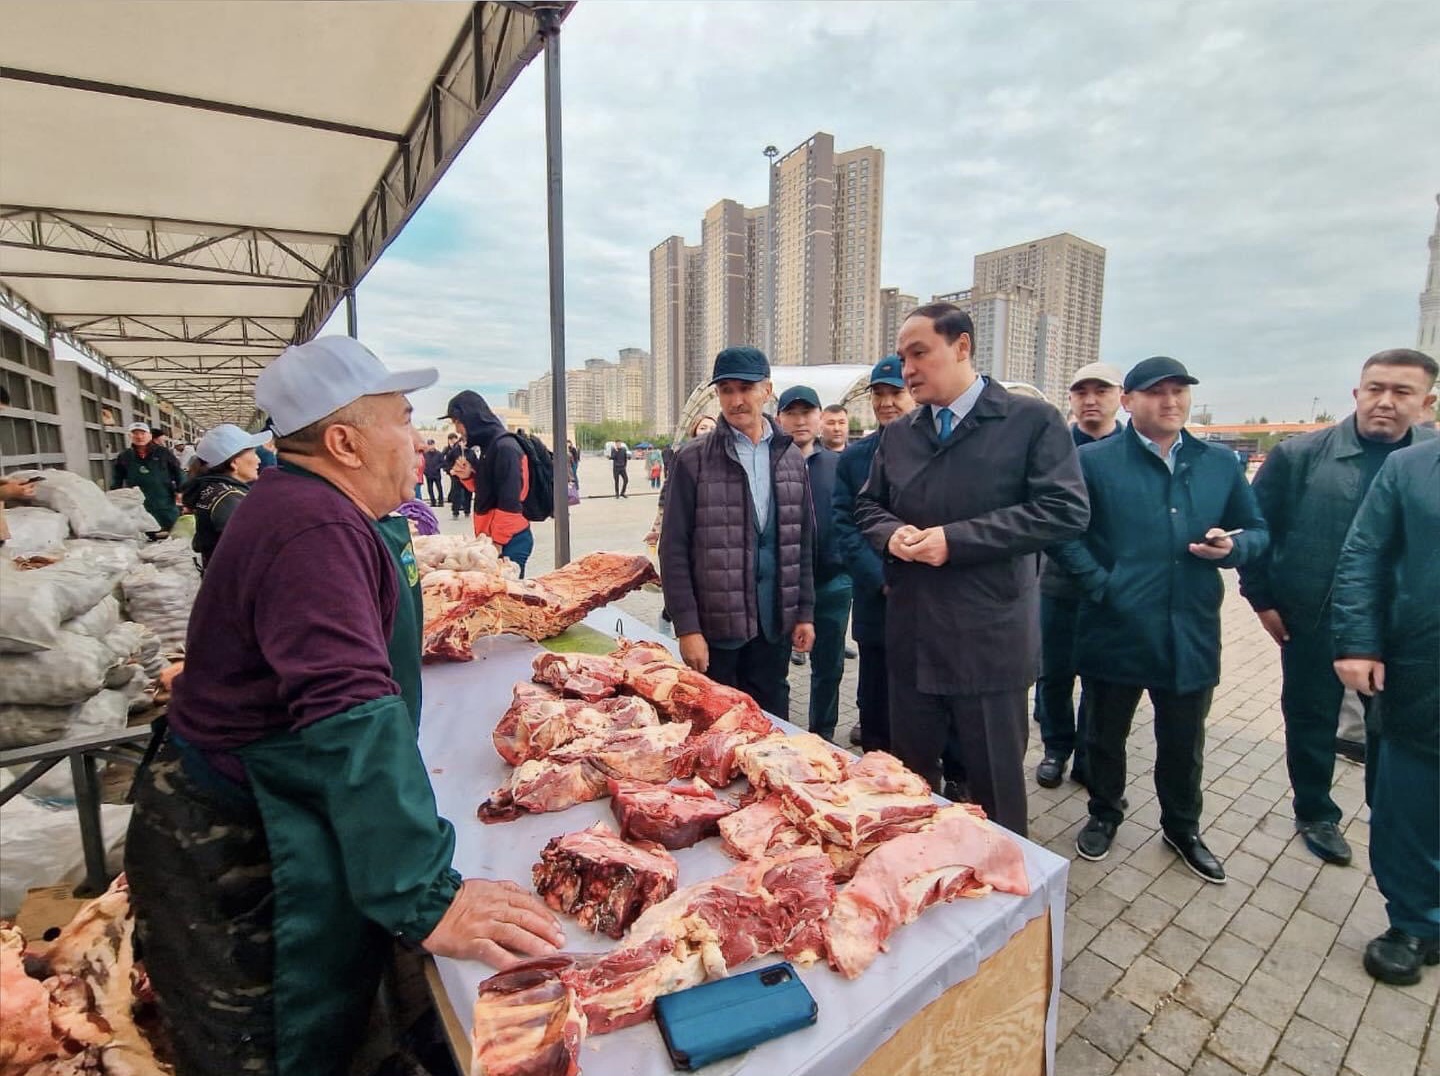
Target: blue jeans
[
  {"x": 519, "y": 548},
  {"x": 827, "y": 659}
]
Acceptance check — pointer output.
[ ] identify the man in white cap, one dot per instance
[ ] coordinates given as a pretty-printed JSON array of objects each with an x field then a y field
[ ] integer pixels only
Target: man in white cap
[
  {"x": 1094, "y": 403},
  {"x": 153, "y": 469},
  {"x": 287, "y": 833}
]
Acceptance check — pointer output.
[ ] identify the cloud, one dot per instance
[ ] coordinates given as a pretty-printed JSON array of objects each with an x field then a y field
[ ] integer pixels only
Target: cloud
[{"x": 1261, "y": 174}]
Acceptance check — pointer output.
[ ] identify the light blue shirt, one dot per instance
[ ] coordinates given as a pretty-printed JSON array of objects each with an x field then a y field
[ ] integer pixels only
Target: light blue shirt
[
  {"x": 961, "y": 405},
  {"x": 755, "y": 458},
  {"x": 1168, "y": 460}
]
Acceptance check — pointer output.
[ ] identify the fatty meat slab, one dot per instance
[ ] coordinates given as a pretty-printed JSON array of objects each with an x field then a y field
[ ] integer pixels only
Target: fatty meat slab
[
  {"x": 539, "y": 720},
  {"x": 675, "y": 816},
  {"x": 763, "y": 829},
  {"x": 583, "y": 676},
  {"x": 603, "y": 881},
  {"x": 879, "y": 799},
  {"x": 682, "y": 694},
  {"x": 527, "y": 1023},
  {"x": 777, "y": 761},
  {"x": 957, "y": 855}
]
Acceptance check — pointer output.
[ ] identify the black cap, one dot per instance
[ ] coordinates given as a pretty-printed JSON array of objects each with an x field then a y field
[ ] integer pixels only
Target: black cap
[
  {"x": 801, "y": 394},
  {"x": 1152, "y": 371},
  {"x": 741, "y": 364}
]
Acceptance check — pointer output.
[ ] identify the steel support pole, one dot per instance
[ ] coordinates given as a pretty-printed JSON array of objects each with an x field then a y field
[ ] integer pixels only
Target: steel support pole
[
  {"x": 352, "y": 320},
  {"x": 87, "y": 808},
  {"x": 549, "y": 21}
]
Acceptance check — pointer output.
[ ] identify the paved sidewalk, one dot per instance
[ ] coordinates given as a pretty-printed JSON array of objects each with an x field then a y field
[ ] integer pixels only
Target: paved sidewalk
[{"x": 1163, "y": 973}]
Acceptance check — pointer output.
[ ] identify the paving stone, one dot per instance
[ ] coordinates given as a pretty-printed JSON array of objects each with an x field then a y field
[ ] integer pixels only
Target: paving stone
[
  {"x": 1207, "y": 991},
  {"x": 1234, "y": 956},
  {"x": 1126, "y": 882},
  {"x": 1240, "y": 865},
  {"x": 1098, "y": 906},
  {"x": 1343, "y": 967},
  {"x": 1309, "y": 932},
  {"x": 1293, "y": 872},
  {"x": 1147, "y": 914},
  {"x": 1141, "y": 1061},
  {"x": 1374, "y": 1053},
  {"x": 1332, "y": 1006},
  {"x": 1204, "y": 917},
  {"x": 1078, "y": 935},
  {"x": 1392, "y": 1011},
  {"x": 1177, "y": 948},
  {"x": 1279, "y": 1068},
  {"x": 1177, "y": 885},
  {"x": 1076, "y": 1057},
  {"x": 1262, "y": 845},
  {"x": 1113, "y": 1026},
  {"x": 1119, "y": 943},
  {"x": 1244, "y": 1041},
  {"x": 1088, "y": 978},
  {"x": 1333, "y": 893},
  {"x": 1256, "y": 925},
  {"x": 1177, "y": 1033},
  {"x": 1147, "y": 983},
  {"x": 1311, "y": 1049},
  {"x": 1071, "y": 1013},
  {"x": 1272, "y": 1000},
  {"x": 1207, "y": 1064},
  {"x": 1276, "y": 898},
  {"x": 1222, "y": 843}
]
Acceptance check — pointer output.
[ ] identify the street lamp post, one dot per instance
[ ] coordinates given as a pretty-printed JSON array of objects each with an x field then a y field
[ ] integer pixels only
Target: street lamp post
[{"x": 767, "y": 340}]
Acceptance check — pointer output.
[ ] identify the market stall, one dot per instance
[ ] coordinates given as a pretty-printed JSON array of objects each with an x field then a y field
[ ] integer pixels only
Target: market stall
[{"x": 975, "y": 976}]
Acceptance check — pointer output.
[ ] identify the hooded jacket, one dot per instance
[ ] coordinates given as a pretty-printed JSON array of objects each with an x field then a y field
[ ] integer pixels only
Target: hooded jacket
[
  {"x": 501, "y": 477},
  {"x": 213, "y": 499}
]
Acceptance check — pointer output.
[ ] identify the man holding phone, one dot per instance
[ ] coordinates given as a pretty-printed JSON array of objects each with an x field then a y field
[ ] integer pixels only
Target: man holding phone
[{"x": 1152, "y": 601}]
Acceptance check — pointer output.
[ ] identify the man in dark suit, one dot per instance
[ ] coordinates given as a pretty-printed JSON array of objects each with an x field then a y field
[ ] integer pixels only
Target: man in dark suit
[{"x": 962, "y": 495}]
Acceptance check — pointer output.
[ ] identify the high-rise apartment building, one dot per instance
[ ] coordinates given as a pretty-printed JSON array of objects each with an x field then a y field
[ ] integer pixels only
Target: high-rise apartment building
[
  {"x": 803, "y": 231},
  {"x": 1068, "y": 276},
  {"x": 757, "y": 266},
  {"x": 895, "y": 307},
  {"x": 1005, "y": 331},
  {"x": 598, "y": 392},
  {"x": 1428, "y": 339},
  {"x": 859, "y": 190},
  {"x": 696, "y": 362},
  {"x": 665, "y": 391},
  {"x": 519, "y": 400},
  {"x": 723, "y": 235}
]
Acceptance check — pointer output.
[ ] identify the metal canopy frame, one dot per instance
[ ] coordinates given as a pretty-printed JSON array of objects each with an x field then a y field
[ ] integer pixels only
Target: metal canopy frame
[{"x": 203, "y": 305}]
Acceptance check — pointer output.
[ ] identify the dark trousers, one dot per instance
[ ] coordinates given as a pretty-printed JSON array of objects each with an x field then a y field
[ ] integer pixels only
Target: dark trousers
[
  {"x": 435, "y": 490},
  {"x": 987, "y": 732},
  {"x": 827, "y": 659},
  {"x": 459, "y": 498},
  {"x": 518, "y": 549},
  {"x": 622, "y": 482},
  {"x": 1179, "y": 752},
  {"x": 872, "y": 697},
  {"x": 1310, "y": 699},
  {"x": 1061, "y": 726},
  {"x": 1405, "y": 835},
  {"x": 760, "y": 669}
]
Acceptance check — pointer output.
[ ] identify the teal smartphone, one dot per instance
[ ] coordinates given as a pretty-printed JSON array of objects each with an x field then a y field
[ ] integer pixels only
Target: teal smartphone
[{"x": 715, "y": 1020}]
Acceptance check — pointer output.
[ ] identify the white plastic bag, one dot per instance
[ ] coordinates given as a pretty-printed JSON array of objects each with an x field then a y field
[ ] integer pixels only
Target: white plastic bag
[
  {"x": 35, "y": 530},
  {"x": 97, "y": 622},
  {"x": 30, "y": 600},
  {"x": 71, "y": 671},
  {"x": 160, "y": 598},
  {"x": 108, "y": 553},
  {"x": 25, "y": 726},
  {"x": 132, "y": 503},
  {"x": 90, "y": 512},
  {"x": 42, "y": 846},
  {"x": 169, "y": 553},
  {"x": 105, "y": 711}
]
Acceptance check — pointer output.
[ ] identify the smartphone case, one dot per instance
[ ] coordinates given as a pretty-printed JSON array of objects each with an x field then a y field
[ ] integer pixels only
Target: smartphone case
[{"x": 715, "y": 1020}]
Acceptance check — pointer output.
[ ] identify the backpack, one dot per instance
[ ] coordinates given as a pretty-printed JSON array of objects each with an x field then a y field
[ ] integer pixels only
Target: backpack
[{"x": 539, "y": 502}]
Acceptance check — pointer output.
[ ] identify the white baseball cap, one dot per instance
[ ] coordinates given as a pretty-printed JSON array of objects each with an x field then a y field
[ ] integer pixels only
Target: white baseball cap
[
  {"x": 306, "y": 382},
  {"x": 226, "y": 442},
  {"x": 1102, "y": 372},
  {"x": 145, "y": 426}
]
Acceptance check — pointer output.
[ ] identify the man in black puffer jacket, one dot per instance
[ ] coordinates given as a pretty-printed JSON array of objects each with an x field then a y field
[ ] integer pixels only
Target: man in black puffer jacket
[{"x": 736, "y": 551}]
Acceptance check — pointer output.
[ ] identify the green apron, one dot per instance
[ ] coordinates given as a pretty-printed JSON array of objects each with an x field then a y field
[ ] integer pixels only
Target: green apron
[{"x": 351, "y": 824}]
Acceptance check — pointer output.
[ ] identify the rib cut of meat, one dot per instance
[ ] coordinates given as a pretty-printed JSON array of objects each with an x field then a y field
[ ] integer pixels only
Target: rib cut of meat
[
  {"x": 680, "y": 693},
  {"x": 712, "y": 752},
  {"x": 459, "y": 607},
  {"x": 527, "y": 1023},
  {"x": 777, "y": 761},
  {"x": 702, "y": 931},
  {"x": 674, "y": 815},
  {"x": 602, "y": 880},
  {"x": 878, "y": 799},
  {"x": 956, "y": 855},
  {"x": 583, "y": 676},
  {"x": 576, "y": 772},
  {"x": 539, "y": 720},
  {"x": 763, "y": 829}
]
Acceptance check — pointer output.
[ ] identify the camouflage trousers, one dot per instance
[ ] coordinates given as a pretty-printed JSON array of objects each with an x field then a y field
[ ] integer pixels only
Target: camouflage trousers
[{"x": 200, "y": 879}]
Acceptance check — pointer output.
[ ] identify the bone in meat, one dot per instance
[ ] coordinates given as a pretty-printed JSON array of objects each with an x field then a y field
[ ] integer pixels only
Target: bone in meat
[
  {"x": 602, "y": 880},
  {"x": 539, "y": 720},
  {"x": 527, "y": 1023},
  {"x": 879, "y": 799},
  {"x": 777, "y": 761},
  {"x": 583, "y": 676}
]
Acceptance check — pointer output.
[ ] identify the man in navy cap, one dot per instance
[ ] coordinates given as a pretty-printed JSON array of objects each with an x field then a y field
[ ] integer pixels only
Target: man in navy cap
[
  {"x": 736, "y": 551},
  {"x": 799, "y": 415},
  {"x": 1151, "y": 605}
]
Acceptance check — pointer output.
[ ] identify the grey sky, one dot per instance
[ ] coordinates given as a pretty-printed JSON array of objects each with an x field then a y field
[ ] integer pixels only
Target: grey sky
[{"x": 1261, "y": 174}]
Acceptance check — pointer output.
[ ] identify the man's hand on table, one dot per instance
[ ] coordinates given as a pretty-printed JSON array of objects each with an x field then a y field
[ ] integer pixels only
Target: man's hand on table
[
  {"x": 695, "y": 652},
  {"x": 497, "y": 922}
]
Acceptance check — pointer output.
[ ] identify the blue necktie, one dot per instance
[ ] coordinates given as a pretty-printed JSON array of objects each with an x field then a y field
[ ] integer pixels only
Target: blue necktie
[{"x": 947, "y": 423}]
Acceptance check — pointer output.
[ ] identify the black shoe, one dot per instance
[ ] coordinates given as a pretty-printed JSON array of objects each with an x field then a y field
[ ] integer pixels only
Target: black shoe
[
  {"x": 956, "y": 792},
  {"x": 1351, "y": 750},
  {"x": 1093, "y": 843},
  {"x": 797, "y": 657},
  {"x": 1395, "y": 957},
  {"x": 1198, "y": 858},
  {"x": 1324, "y": 840},
  {"x": 855, "y": 734},
  {"x": 1050, "y": 771}
]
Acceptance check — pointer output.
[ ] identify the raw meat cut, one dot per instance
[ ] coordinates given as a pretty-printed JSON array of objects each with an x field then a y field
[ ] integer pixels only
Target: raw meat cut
[
  {"x": 539, "y": 720},
  {"x": 679, "y": 692},
  {"x": 583, "y": 676},
  {"x": 576, "y": 772},
  {"x": 777, "y": 761},
  {"x": 527, "y": 1023},
  {"x": 712, "y": 752},
  {"x": 460, "y": 606},
  {"x": 702, "y": 931},
  {"x": 601, "y": 880},
  {"x": 763, "y": 829},
  {"x": 878, "y": 799},
  {"x": 957, "y": 855},
  {"x": 674, "y": 815},
  {"x": 26, "y": 1034}
]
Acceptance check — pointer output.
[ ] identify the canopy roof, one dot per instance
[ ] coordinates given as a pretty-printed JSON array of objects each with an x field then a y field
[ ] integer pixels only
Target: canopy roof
[{"x": 187, "y": 186}]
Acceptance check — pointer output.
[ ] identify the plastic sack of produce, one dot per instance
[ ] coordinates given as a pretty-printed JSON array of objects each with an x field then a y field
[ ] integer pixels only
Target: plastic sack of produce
[
  {"x": 136, "y": 690},
  {"x": 97, "y": 622},
  {"x": 42, "y": 847},
  {"x": 35, "y": 530},
  {"x": 90, "y": 512},
  {"x": 105, "y": 711},
  {"x": 161, "y": 597},
  {"x": 108, "y": 553},
  {"x": 169, "y": 553},
  {"x": 25, "y": 726},
  {"x": 70, "y": 672},
  {"x": 30, "y": 601},
  {"x": 132, "y": 503}
]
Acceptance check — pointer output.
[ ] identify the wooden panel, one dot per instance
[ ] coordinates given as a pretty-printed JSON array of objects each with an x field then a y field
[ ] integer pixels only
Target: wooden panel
[
  {"x": 47, "y": 909},
  {"x": 990, "y": 1025},
  {"x": 454, "y": 1032}
]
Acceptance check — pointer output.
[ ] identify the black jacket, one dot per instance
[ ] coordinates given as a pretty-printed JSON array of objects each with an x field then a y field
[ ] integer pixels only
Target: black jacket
[
  {"x": 1151, "y": 613},
  {"x": 829, "y": 559},
  {"x": 1004, "y": 486},
  {"x": 1309, "y": 489},
  {"x": 496, "y": 457},
  {"x": 1055, "y": 582},
  {"x": 434, "y": 462},
  {"x": 213, "y": 499},
  {"x": 867, "y": 570},
  {"x": 1387, "y": 595}
]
